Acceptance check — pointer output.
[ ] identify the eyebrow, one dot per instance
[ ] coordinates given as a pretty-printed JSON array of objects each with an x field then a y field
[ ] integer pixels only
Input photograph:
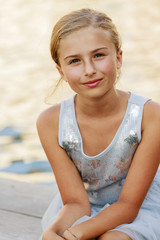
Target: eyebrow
[{"x": 76, "y": 55}]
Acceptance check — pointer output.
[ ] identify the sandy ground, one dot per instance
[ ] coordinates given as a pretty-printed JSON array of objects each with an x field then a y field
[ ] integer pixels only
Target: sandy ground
[{"x": 27, "y": 72}]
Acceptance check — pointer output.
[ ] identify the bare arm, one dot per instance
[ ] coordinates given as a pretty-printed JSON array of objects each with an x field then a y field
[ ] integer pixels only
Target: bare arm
[
  {"x": 139, "y": 178},
  {"x": 73, "y": 193}
]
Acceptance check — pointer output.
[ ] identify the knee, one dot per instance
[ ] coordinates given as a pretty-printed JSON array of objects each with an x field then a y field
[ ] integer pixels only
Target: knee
[{"x": 114, "y": 235}]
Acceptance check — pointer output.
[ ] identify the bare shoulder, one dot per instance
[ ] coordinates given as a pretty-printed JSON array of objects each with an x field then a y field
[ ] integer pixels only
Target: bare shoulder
[
  {"x": 49, "y": 118},
  {"x": 151, "y": 114},
  {"x": 152, "y": 107}
]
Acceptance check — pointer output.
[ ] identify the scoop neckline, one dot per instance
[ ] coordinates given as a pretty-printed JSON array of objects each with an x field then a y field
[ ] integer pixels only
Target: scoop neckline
[{"x": 114, "y": 138}]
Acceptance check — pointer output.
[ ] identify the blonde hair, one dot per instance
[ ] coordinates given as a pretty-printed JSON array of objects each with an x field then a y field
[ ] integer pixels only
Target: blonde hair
[{"x": 80, "y": 19}]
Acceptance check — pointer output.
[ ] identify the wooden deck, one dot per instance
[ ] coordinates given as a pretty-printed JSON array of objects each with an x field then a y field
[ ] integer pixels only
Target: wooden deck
[{"x": 22, "y": 206}]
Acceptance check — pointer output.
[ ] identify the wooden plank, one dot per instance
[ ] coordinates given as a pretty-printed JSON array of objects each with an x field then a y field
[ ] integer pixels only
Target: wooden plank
[
  {"x": 26, "y": 198},
  {"x": 14, "y": 226},
  {"x": 21, "y": 207}
]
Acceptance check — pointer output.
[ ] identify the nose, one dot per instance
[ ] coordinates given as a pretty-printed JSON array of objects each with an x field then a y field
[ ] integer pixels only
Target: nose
[{"x": 89, "y": 68}]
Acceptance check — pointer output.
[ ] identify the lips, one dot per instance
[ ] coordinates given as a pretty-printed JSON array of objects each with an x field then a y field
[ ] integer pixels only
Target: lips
[{"x": 93, "y": 83}]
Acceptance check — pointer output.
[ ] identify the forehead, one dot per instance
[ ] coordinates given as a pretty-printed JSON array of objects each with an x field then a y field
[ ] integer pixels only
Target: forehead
[{"x": 87, "y": 38}]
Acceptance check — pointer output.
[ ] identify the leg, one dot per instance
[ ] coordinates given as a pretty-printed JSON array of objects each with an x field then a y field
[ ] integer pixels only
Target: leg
[{"x": 114, "y": 235}]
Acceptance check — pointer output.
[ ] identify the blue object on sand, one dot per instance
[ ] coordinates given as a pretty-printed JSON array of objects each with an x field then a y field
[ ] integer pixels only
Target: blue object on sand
[
  {"x": 11, "y": 131},
  {"x": 23, "y": 168}
]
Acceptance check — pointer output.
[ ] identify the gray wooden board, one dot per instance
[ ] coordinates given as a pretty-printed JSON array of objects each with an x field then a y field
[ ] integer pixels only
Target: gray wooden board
[
  {"x": 22, "y": 206},
  {"x": 14, "y": 226},
  {"x": 24, "y": 197}
]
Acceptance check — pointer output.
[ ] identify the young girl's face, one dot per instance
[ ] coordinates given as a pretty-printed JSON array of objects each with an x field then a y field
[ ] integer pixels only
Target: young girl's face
[{"x": 89, "y": 62}]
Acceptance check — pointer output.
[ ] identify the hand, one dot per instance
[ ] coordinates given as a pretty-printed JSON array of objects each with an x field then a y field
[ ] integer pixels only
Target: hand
[
  {"x": 49, "y": 234},
  {"x": 67, "y": 236},
  {"x": 71, "y": 234}
]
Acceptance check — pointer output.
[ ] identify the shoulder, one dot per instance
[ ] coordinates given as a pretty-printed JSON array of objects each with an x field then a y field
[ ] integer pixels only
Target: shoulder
[
  {"x": 152, "y": 110},
  {"x": 49, "y": 118},
  {"x": 151, "y": 115}
]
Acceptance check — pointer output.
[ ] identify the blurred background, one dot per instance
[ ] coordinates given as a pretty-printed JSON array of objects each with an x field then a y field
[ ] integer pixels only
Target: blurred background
[{"x": 28, "y": 75}]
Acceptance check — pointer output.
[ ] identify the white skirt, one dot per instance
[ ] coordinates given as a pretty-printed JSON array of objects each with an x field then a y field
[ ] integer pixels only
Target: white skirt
[{"x": 146, "y": 225}]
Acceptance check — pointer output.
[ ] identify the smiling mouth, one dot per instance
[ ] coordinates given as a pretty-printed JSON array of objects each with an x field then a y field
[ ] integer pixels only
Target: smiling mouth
[{"x": 93, "y": 83}]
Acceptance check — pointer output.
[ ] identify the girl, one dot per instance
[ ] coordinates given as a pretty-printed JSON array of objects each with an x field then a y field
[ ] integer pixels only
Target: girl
[{"x": 103, "y": 144}]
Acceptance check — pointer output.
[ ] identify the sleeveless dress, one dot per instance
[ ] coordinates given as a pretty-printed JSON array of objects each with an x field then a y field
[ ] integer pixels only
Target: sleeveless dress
[{"x": 104, "y": 174}]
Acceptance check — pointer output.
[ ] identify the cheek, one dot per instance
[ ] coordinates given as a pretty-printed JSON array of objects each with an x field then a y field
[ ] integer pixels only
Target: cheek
[
  {"x": 72, "y": 74},
  {"x": 108, "y": 67}
]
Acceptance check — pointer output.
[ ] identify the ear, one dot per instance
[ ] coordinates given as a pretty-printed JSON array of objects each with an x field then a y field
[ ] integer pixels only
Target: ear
[
  {"x": 60, "y": 71},
  {"x": 119, "y": 59}
]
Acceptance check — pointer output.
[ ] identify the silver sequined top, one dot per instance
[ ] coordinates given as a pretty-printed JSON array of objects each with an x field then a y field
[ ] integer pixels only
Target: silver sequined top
[{"x": 104, "y": 174}]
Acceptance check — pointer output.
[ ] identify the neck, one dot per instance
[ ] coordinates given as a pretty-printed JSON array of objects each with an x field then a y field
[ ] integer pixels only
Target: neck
[{"x": 96, "y": 107}]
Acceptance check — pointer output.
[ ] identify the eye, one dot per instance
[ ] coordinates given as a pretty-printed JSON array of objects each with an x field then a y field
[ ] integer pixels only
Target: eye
[
  {"x": 97, "y": 55},
  {"x": 75, "y": 60}
]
